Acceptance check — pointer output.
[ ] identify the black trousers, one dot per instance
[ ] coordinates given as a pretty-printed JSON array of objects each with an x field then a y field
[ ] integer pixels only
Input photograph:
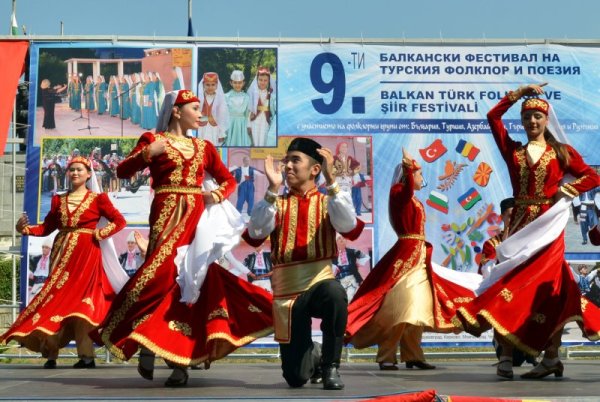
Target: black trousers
[{"x": 326, "y": 300}]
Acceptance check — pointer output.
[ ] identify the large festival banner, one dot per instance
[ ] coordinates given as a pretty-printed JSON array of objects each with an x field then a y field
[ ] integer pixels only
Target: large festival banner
[{"x": 364, "y": 102}]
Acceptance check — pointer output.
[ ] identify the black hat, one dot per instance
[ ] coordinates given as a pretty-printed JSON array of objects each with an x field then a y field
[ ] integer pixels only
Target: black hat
[
  {"x": 506, "y": 203},
  {"x": 306, "y": 146}
]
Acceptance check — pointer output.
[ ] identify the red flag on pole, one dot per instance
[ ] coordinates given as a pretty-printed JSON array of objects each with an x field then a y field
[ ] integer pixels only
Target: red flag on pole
[{"x": 12, "y": 60}]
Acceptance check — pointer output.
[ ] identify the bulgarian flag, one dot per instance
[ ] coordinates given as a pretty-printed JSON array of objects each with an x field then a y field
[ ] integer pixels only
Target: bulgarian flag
[{"x": 438, "y": 201}]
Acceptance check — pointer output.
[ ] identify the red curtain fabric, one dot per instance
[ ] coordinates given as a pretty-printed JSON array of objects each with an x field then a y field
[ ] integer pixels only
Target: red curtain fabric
[
  {"x": 430, "y": 395},
  {"x": 12, "y": 60},
  {"x": 422, "y": 396}
]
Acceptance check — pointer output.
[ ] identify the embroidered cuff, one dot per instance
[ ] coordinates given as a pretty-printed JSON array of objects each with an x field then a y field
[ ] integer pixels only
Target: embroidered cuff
[
  {"x": 270, "y": 197},
  {"x": 333, "y": 189},
  {"x": 217, "y": 197},
  {"x": 514, "y": 96},
  {"x": 569, "y": 190}
]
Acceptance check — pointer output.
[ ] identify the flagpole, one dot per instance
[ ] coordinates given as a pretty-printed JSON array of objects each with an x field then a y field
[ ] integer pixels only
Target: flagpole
[
  {"x": 190, "y": 26},
  {"x": 12, "y": 17}
]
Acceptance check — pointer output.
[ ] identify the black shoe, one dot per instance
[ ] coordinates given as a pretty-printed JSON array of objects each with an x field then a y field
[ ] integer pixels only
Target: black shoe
[
  {"x": 419, "y": 364},
  {"x": 50, "y": 364},
  {"x": 331, "y": 378},
  {"x": 317, "y": 377},
  {"x": 177, "y": 382},
  {"x": 81, "y": 364},
  {"x": 145, "y": 373},
  {"x": 388, "y": 367}
]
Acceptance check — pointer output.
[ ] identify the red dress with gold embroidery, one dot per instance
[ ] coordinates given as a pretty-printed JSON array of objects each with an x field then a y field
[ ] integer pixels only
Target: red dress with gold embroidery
[
  {"x": 229, "y": 313},
  {"x": 77, "y": 288},
  {"x": 409, "y": 255},
  {"x": 529, "y": 304}
]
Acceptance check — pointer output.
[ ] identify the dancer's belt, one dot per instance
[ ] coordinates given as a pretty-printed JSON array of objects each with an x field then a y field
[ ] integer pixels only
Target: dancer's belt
[
  {"x": 178, "y": 190},
  {"x": 533, "y": 201},
  {"x": 76, "y": 230},
  {"x": 288, "y": 283},
  {"x": 411, "y": 237},
  {"x": 262, "y": 108}
]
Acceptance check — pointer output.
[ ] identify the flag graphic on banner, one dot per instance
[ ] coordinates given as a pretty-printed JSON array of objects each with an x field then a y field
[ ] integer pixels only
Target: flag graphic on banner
[
  {"x": 438, "y": 201},
  {"x": 482, "y": 174},
  {"x": 469, "y": 199},
  {"x": 467, "y": 150},
  {"x": 433, "y": 151}
]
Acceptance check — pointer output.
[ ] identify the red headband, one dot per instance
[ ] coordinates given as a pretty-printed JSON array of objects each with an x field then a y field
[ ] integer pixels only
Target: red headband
[
  {"x": 210, "y": 77},
  {"x": 80, "y": 159},
  {"x": 535, "y": 104},
  {"x": 185, "y": 96}
]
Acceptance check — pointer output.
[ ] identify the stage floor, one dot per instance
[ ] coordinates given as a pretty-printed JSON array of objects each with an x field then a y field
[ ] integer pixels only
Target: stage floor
[{"x": 227, "y": 381}]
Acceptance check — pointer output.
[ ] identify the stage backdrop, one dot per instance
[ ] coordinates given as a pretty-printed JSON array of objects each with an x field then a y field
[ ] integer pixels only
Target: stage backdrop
[{"x": 431, "y": 100}]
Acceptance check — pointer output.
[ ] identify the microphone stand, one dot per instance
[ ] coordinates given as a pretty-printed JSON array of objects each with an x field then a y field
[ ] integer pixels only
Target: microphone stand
[
  {"x": 89, "y": 128},
  {"x": 80, "y": 108},
  {"x": 122, "y": 95}
]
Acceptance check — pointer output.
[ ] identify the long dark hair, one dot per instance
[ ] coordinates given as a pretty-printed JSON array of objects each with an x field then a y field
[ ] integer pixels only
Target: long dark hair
[{"x": 561, "y": 149}]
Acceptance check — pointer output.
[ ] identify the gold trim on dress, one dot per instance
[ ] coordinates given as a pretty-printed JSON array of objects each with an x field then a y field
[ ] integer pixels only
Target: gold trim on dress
[
  {"x": 182, "y": 327},
  {"x": 220, "y": 312},
  {"x": 177, "y": 190},
  {"x": 411, "y": 237}
]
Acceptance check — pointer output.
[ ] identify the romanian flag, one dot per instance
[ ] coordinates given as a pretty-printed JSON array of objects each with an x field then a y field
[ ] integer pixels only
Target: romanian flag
[
  {"x": 469, "y": 199},
  {"x": 467, "y": 150},
  {"x": 438, "y": 201}
]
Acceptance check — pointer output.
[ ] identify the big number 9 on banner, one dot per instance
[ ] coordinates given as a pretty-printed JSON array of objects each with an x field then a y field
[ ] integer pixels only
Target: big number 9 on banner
[{"x": 335, "y": 86}]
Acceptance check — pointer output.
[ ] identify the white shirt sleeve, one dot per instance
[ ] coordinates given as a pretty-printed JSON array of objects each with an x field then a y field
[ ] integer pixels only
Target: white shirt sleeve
[
  {"x": 237, "y": 267},
  {"x": 262, "y": 220},
  {"x": 341, "y": 211}
]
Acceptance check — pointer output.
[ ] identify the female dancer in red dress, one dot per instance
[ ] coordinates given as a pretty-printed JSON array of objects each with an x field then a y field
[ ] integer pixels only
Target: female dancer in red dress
[
  {"x": 78, "y": 293},
  {"x": 402, "y": 295},
  {"x": 149, "y": 311},
  {"x": 529, "y": 305}
]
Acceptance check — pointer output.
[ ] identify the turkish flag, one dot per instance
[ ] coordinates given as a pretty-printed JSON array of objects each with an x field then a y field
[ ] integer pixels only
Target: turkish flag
[
  {"x": 433, "y": 151},
  {"x": 12, "y": 60}
]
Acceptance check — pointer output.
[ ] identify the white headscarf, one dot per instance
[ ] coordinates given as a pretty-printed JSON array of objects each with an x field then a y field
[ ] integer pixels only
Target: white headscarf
[
  {"x": 219, "y": 106},
  {"x": 253, "y": 91}
]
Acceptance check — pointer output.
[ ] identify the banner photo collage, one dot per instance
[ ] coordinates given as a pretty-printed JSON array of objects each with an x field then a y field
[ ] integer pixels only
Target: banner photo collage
[{"x": 364, "y": 102}]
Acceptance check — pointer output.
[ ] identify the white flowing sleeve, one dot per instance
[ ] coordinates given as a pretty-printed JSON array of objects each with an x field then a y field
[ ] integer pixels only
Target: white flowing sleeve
[
  {"x": 262, "y": 220},
  {"x": 340, "y": 209}
]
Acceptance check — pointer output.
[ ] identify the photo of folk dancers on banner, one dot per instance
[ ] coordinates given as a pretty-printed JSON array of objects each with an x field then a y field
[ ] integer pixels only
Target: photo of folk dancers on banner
[
  {"x": 238, "y": 92},
  {"x": 130, "y": 196},
  {"x": 352, "y": 169},
  {"x": 103, "y": 93}
]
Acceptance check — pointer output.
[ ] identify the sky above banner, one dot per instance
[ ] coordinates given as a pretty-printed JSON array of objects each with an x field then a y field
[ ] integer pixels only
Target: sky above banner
[{"x": 437, "y": 19}]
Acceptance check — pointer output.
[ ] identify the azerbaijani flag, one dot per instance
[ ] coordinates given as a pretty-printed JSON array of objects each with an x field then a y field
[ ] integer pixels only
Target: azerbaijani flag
[
  {"x": 438, "y": 201},
  {"x": 469, "y": 199},
  {"x": 467, "y": 150}
]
